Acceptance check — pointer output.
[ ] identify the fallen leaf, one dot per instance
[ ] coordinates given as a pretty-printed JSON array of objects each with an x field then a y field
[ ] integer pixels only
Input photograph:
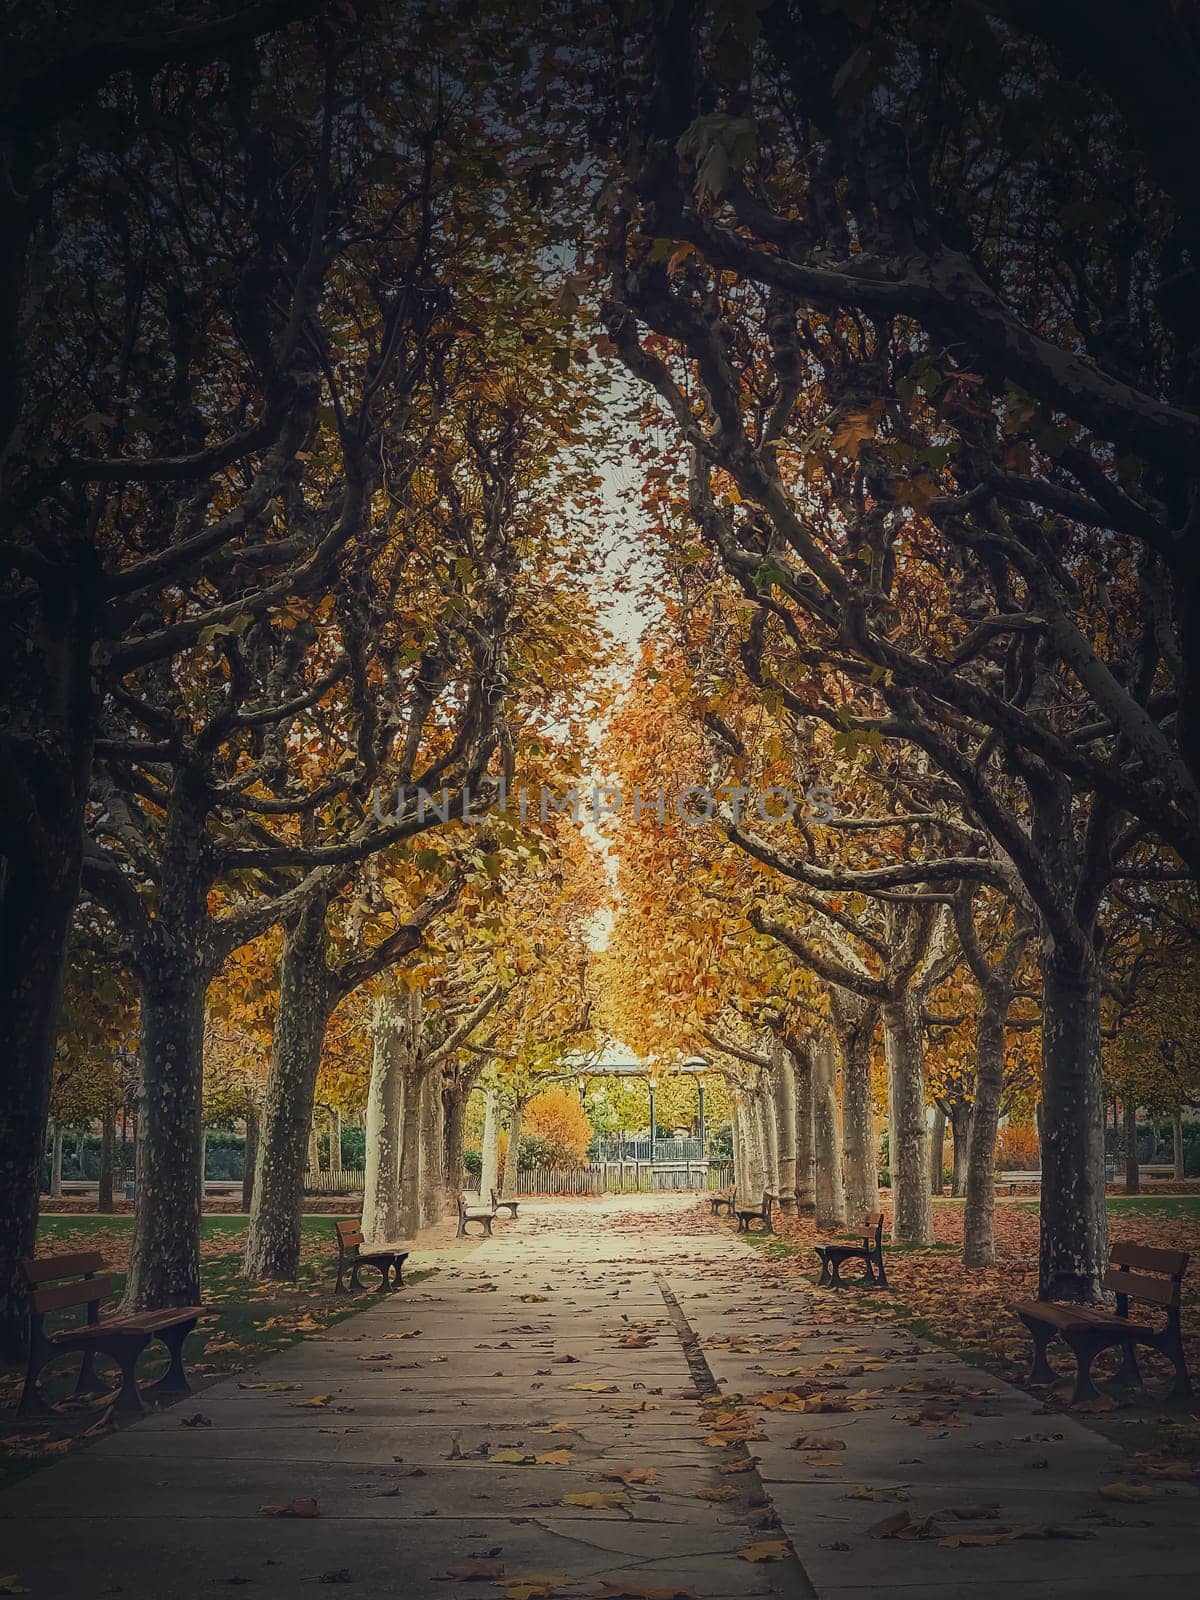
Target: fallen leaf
[
  {"x": 863, "y": 1491},
  {"x": 511, "y": 1458},
  {"x": 596, "y": 1499},
  {"x": 553, "y": 1458},
  {"x": 766, "y": 1550},
  {"x": 313, "y": 1403},
  {"x": 629, "y": 1475},
  {"x": 1129, "y": 1493},
  {"x": 303, "y": 1507},
  {"x": 477, "y": 1571},
  {"x": 536, "y": 1587},
  {"x": 596, "y": 1388},
  {"x": 725, "y": 1491}
]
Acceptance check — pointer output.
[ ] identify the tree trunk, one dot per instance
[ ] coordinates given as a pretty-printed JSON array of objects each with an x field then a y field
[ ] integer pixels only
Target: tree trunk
[
  {"x": 108, "y": 1143},
  {"x": 766, "y": 1111},
  {"x": 57, "y": 1136},
  {"x": 334, "y": 1138},
  {"x": 455, "y": 1099},
  {"x": 806, "y": 1192},
  {"x": 979, "y": 1234},
  {"x": 1073, "y": 1256},
  {"x": 288, "y": 1136},
  {"x": 410, "y": 1153},
  {"x": 937, "y": 1151},
  {"x": 785, "y": 1119},
  {"x": 1177, "y": 1150},
  {"x": 961, "y": 1116},
  {"x": 904, "y": 1049},
  {"x": 1133, "y": 1184},
  {"x": 858, "y": 1112},
  {"x": 760, "y": 1177},
  {"x": 250, "y": 1159},
  {"x": 489, "y": 1173},
  {"x": 385, "y": 1120},
  {"x": 41, "y": 841},
  {"x": 164, "y": 1262},
  {"x": 827, "y": 1139},
  {"x": 433, "y": 1149},
  {"x": 512, "y": 1155}
]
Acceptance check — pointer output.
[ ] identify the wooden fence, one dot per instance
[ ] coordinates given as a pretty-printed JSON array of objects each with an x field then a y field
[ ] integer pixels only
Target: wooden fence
[{"x": 342, "y": 1180}]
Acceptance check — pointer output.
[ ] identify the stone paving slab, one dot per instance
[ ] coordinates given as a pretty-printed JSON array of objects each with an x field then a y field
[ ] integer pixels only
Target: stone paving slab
[{"x": 395, "y": 1456}]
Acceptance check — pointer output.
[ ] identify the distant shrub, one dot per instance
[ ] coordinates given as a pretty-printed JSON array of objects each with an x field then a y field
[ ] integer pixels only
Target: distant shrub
[{"x": 1017, "y": 1148}]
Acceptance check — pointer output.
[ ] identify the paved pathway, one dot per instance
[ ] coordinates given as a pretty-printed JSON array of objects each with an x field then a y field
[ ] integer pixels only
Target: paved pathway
[{"x": 594, "y": 1350}]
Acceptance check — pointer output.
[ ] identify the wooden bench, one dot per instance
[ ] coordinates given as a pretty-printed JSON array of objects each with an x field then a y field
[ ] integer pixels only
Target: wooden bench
[
  {"x": 467, "y": 1213},
  {"x": 353, "y": 1256},
  {"x": 723, "y": 1200},
  {"x": 1135, "y": 1272},
  {"x": 833, "y": 1252},
  {"x": 762, "y": 1213},
  {"x": 497, "y": 1203},
  {"x": 1010, "y": 1180},
  {"x": 121, "y": 1338}
]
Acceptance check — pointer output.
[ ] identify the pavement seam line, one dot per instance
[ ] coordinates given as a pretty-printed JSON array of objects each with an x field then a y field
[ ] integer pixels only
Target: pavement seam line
[{"x": 786, "y": 1578}]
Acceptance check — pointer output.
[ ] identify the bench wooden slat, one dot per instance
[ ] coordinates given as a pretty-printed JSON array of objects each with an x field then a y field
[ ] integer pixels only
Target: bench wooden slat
[
  {"x": 349, "y": 1232},
  {"x": 1070, "y": 1316},
  {"x": 61, "y": 1295},
  {"x": 1161, "y": 1291},
  {"x": 1149, "y": 1258},
  {"x": 139, "y": 1322},
  {"x": 47, "y": 1268}
]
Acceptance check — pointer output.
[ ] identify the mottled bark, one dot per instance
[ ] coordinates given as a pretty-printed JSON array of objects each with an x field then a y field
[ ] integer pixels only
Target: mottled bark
[
  {"x": 433, "y": 1149},
  {"x": 904, "y": 1049},
  {"x": 979, "y": 1239},
  {"x": 827, "y": 1138},
  {"x": 57, "y": 1133},
  {"x": 50, "y": 702},
  {"x": 770, "y": 1128},
  {"x": 410, "y": 1153},
  {"x": 384, "y": 1119},
  {"x": 1074, "y": 1223},
  {"x": 250, "y": 1159},
  {"x": 854, "y": 1025},
  {"x": 489, "y": 1175},
  {"x": 334, "y": 1138},
  {"x": 287, "y": 1140},
  {"x": 1177, "y": 1151},
  {"x": 1129, "y": 1145},
  {"x": 512, "y": 1154},
  {"x": 961, "y": 1117},
  {"x": 785, "y": 1118},
  {"x": 937, "y": 1151},
  {"x": 806, "y": 1192},
  {"x": 108, "y": 1150},
  {"x": 164, "y": 1264}
]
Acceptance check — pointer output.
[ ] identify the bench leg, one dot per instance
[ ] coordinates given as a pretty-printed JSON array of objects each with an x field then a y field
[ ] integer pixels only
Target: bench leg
[
  {"x": 87, "y": 1381},
  {"x": 127, "y": 1356},
  {"x": 174, "y": 1379},
  {"x": 31, "y": 1403},
  {"x": 835, "y": 1281},
  {"x": 1128, "y": 1372},
  {"x": 823, "y": 1278},
  {"x": 1085, "y": 1350},
  {"x": 1041, "y": 1333},
  {"x": 1171, "y": 1345},
  {"x": 487, "y": 1226}
]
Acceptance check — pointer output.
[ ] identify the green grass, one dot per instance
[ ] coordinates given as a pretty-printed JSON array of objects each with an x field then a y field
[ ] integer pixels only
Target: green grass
[{"x": 251, "y": 1323}]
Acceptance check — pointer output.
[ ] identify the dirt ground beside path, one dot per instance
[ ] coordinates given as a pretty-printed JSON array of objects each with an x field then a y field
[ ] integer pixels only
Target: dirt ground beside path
[{"x": 608, "y": 1399}]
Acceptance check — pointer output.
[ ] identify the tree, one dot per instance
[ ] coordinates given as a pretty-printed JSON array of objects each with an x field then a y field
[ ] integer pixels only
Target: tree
[{"x": 556, "y": 1117}]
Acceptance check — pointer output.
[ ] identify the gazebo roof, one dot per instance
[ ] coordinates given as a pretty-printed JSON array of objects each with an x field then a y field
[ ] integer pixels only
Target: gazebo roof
[{"x": 612, "y": 1059}]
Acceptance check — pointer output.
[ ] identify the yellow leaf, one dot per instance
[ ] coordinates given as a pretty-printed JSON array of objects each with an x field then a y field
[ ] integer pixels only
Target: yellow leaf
[
  {"x": 511, "y": 1458},
  {"x": 317, "y": 1400},
  {"x": 554, "y": 1458},
  {"x": 1130, "y": 1493},
  {"x": 538, "y": 1586},
  {"x": 766, "y": 1550},
  {"x": 596, "y": 1388}
]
